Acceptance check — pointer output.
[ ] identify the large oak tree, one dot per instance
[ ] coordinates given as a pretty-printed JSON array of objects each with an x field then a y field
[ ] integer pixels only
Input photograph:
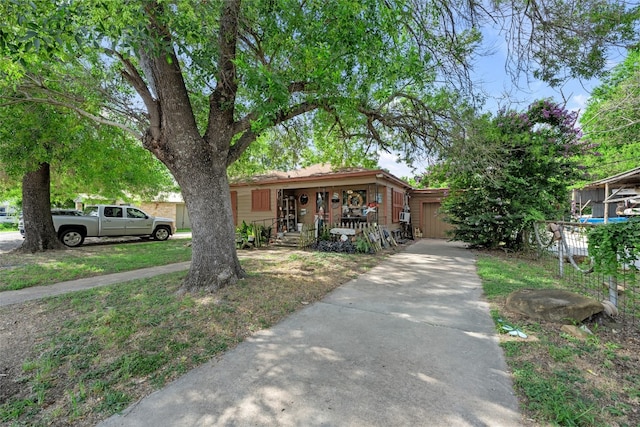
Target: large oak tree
[{"x": 210, "y": 76}]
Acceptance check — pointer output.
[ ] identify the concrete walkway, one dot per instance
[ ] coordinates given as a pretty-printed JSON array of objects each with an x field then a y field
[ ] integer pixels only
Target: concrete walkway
[
  {"x": 410, "y": 343},
  {"x": 36, "y": 292}
]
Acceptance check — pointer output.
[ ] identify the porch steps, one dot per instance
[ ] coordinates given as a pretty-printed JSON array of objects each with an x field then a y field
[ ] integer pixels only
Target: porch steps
[{"x": 290, "y": 239}]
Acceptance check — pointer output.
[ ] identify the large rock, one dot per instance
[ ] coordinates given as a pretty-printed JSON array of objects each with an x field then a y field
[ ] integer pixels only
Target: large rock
[{"x": 553, "y": 305}]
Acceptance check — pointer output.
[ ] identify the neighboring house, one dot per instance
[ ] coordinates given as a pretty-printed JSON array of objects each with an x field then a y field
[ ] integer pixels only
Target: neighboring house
[
  {"x": 165, "y": 205},
  {"x": 610, "y": 197},
  {"x": 169, "y": 205}
]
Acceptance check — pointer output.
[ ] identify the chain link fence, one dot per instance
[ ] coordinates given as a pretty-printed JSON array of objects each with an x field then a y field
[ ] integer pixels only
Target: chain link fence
[{"x": 564, "y": 246}]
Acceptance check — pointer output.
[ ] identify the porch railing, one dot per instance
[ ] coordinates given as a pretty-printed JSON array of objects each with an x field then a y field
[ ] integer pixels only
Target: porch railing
[{"x": 357, "y": 224}]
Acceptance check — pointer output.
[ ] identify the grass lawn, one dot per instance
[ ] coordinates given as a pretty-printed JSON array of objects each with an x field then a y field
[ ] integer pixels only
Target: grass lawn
[
  {"x": 7, "y": 227},
  {"x": 20, "y": 270},
  {"x": 92, "y": 353},
  {"x": 559, "y": 379}
]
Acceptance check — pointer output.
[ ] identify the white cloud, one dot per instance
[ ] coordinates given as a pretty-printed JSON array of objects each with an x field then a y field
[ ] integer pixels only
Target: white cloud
[
  {"x": 578, "y": 102},
  {"x": 389, "y": 162}
]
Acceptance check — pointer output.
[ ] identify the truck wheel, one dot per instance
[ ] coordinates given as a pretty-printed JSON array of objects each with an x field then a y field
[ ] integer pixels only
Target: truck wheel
[
  {"x": 72, "y": 238},
  {"x": 161, "y": 233}
]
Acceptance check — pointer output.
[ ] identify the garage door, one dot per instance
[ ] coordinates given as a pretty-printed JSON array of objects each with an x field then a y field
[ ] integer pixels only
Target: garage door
[
  {"x": 182, "y": 216},
  {"x": 433, "y": 226}
]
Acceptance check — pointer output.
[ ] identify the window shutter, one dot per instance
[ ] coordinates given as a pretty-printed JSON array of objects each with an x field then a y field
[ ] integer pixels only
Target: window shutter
[{"x": 261, "y": 200}]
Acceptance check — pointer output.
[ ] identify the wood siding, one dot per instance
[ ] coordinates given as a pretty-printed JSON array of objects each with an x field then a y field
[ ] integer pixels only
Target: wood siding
[
  {"x": 425, "y": 205},
  {"x": 234, "y": 207},
  {"x": 432, "y": 224},
  {"x": 245, "y": 213}
]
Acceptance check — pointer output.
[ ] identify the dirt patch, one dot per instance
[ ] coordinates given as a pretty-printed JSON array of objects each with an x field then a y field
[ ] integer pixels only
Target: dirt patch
[{"x": 19, "y": 332}]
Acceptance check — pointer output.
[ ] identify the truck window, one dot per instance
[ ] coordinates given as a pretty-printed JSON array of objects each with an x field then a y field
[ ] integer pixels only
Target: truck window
[
  {"x": 135, "y": 213},
  {"x": 113, "y": 212}
]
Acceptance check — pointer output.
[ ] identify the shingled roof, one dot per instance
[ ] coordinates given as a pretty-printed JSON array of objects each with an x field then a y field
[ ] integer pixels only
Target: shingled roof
[{"x": 315, "y": 172}]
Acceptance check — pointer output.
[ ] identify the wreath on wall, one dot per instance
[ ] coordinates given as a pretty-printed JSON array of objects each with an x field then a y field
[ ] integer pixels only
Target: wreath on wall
[{"x": 355, "y": 200}]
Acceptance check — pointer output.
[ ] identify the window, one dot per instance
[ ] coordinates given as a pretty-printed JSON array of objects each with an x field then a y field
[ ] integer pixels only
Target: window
[
  {"x": 260, "y": 200},
  {"x": 135, "y": 213},
  {"x": 398, "y": 205},
  {"x": 91, "y": 211},
  {"x": 113, "y": 212}
]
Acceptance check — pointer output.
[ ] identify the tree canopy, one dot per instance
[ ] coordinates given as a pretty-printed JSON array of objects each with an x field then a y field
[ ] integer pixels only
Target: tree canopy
[
  {"x": 84, "y": 158},
  {"x": 612, "y": 119},
  {"x": 413, "y": 53}
]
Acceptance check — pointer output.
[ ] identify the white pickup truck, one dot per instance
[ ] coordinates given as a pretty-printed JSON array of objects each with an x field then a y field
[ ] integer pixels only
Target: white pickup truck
[{"x": 110, "y": 221}]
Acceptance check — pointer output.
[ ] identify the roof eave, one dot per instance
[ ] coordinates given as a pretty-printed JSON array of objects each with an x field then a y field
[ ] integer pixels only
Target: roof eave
[
  {"x": 329, "y": 176},
  {"x": 614, "y": 179}
]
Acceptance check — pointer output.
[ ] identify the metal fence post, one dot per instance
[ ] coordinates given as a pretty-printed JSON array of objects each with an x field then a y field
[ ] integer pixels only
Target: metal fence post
[
  {"x": 613, "y": 290},
  {"x": 561, "y": 257},
  {"x": 561, "y": 254}
]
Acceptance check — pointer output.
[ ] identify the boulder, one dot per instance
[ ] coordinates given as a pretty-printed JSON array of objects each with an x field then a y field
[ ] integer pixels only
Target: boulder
[{"x": 553, "y": 305}]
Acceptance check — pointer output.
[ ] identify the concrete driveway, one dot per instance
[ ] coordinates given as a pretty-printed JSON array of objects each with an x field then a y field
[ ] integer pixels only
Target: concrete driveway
[{"x": 410, "y": 343}]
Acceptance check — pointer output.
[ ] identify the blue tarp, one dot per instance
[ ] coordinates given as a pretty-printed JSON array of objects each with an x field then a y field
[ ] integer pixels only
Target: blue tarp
[{"x": 601, "y": 220}]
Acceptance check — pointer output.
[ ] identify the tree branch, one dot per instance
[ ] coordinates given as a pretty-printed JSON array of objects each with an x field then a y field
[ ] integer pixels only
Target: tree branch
[
  {"x": 35, "y": 90},
  {"x": 80, "y": 111},
  {"x": 249, "y": 136},
  {"x": 294, "y": 87},
  {"x": 223, "y": 98},
  {"x": 130, "y": 73},
  {"x": 240, "y": 146}
]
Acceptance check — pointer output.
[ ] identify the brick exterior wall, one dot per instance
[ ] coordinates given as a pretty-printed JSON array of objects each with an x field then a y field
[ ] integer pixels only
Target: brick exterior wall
[{"x": 162, "y": 209}]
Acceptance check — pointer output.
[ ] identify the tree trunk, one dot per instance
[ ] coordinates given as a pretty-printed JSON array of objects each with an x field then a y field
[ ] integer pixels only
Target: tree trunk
[
  {"x": 205, "y": 188},
  {"x": 40, "y": 234},
  {"x": 198, "y": 163}
]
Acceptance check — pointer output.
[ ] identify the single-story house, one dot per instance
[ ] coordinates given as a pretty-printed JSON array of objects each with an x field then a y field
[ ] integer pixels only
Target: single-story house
[
  {"x": 170, "y": 205},
  {"x": 347, "y": 197},
  {"x": 166, "y": 205},
  {"x": 609, "y": 197}
]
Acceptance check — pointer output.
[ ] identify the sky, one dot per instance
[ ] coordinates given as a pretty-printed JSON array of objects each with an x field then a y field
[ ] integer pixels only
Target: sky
[
  {"x": 498, "y": 83},
  {"x": 490, "y": 71}
]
